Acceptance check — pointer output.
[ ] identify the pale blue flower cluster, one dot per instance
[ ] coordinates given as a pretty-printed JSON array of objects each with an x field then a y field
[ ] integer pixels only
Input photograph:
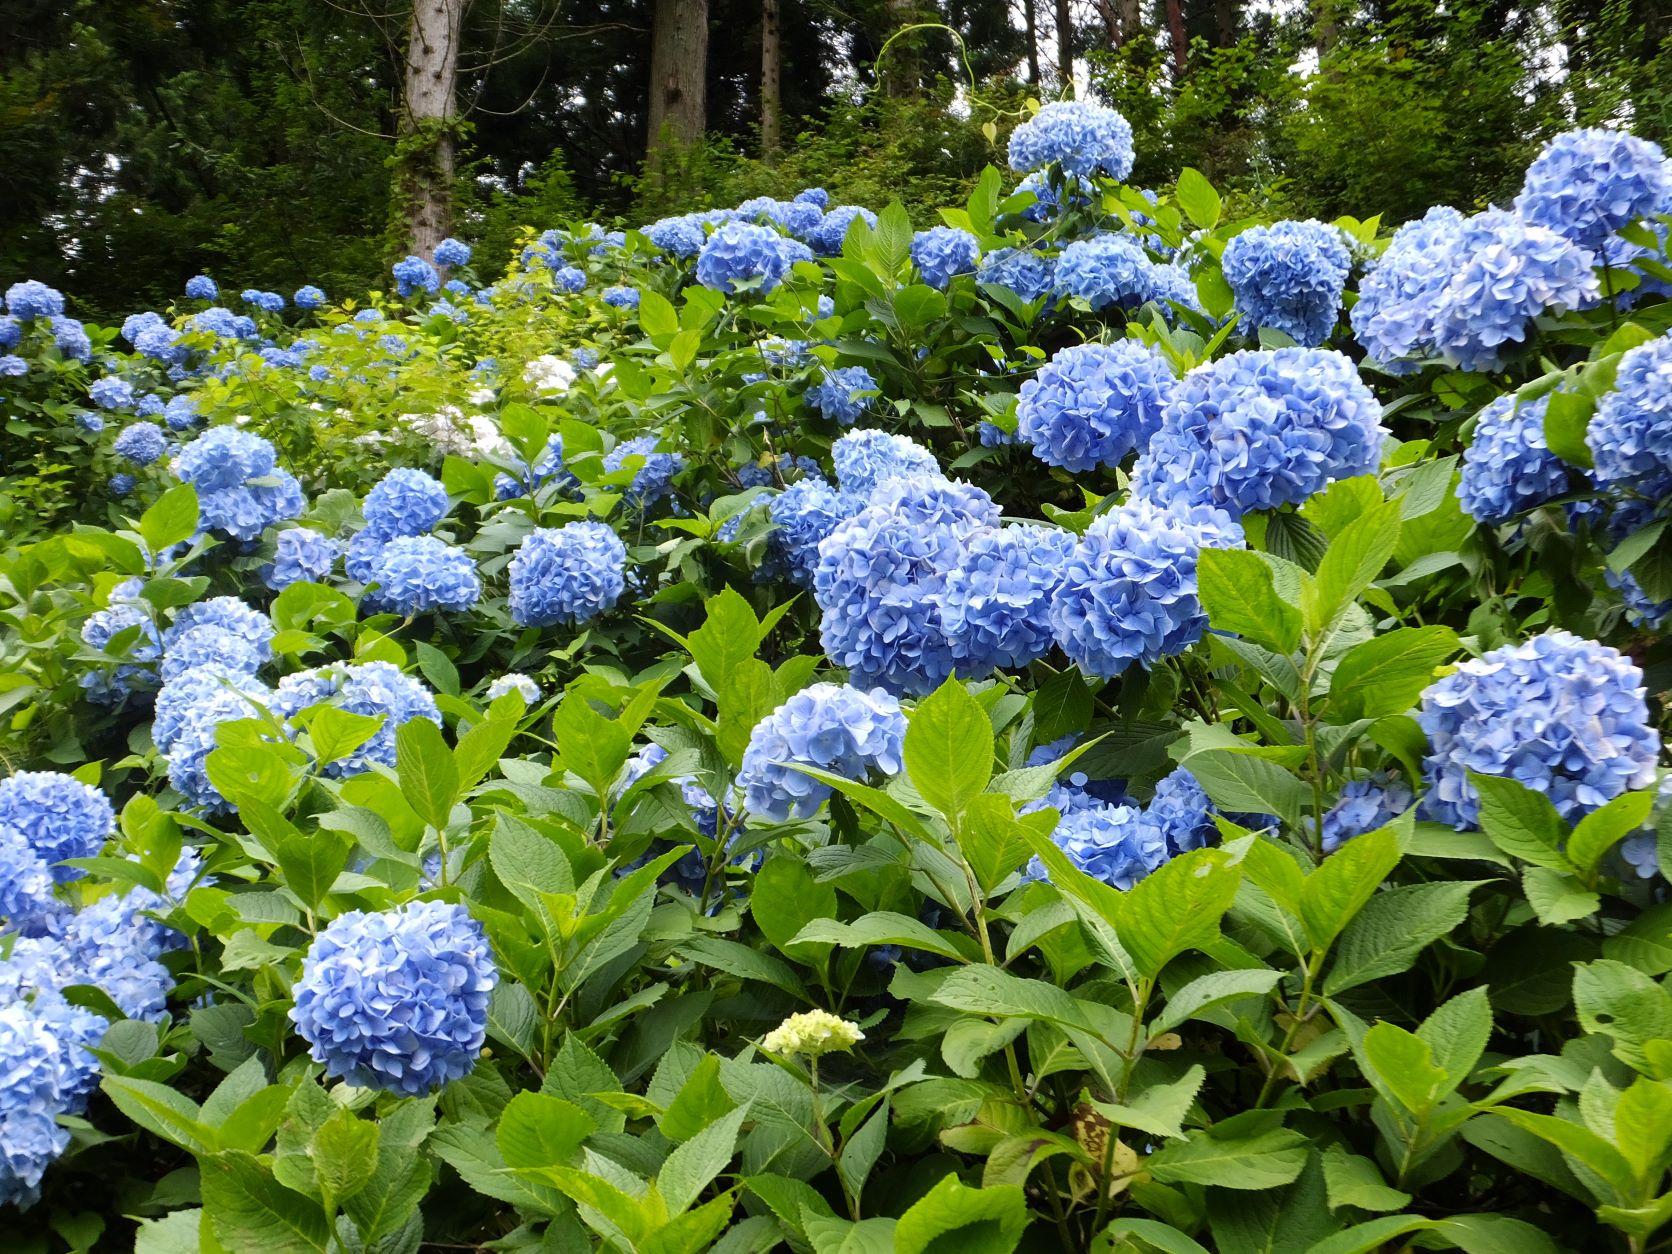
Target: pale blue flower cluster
[
  {"x": 1051, "y": 195},
  {"x": 308, "y": 297},
  {"x": 413, "y": 274},
  {"x": 1630, "y": 435},
  {"x": 397, "y": 1000},
  {"x": 838, "y": 728},
  {"x": 202, "y": 287},
  {"x": 569, "y": 279},
  {"x": 1029, "y": 274},
  {"x": 622, "y": 297},
  {"x": 1262, "y": 428},
  {"x": 141, "y": 443},
  {"x": 416, "y": 574},
  {"x": 1394, "y": 316},
  {"x": 943, "y": 252},
  {"x": 1084, "y": 138},
  {"x": 803, "y": 514},
  {"x": 1106, "y": 271},
  {"x": 654, "y": 479},
  {"x": 32, "y": 1095},
  {"x": 1289, "y": 277},
  {"x": 993, "y": 610},
  {"x": 798, "y": 217},
  {"x": 58, "y": 817},
  {"x": 758, "y": 474},
  {"x": 1563, "y": 715},
  {"x": 110, "y": 392},
  {"x": 369, "y": 688},
  {"x": 1128, "y": 592},
  {"x": 301, "y": 554},
  {"x": 547, "y": 468},
  {"x": 1364, "y": 805},
  {"x": 1111, "y": 843},
  {"x": 72, "y": 339},
  {"x": 569, "y": 575},
  {"x": 267, "y": 302},
  {"x": 33, "y": 299},
  {"x": 451, "y": 252},
  {"x": 1092, "y": 404},
  {"x": 1181, "y": 812},
  {"x": 680, "y": 236},
  {"x": 832, "y": 230},
  {"x": 739, "y": 253},
  {"x": 1508, "y": 467},
  {"x": 241, "y": 489},
  {"x": 512, "y": 681},
  {"x": 843, "y": 394},
  {"x": 405, "y": 503},
  {"x": 1590, "y": 182},
  {"x": 867, "y": 457},
  {"x": 190, "y": 711}
]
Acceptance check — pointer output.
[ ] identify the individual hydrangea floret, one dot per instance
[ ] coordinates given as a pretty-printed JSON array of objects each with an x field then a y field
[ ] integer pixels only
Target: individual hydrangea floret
[
  {"x": 803, "y": 514},
  {"x": 994, "y": 608},
  {"x": 141, "y": 443},
  {"x": 838, "y": 728},
  {"x": 405, "y": 503},
  {"x": 369, "y": 688},
  {"x": 943, "y": 252},
  {"x": 58, "y": 815},
  {"x": 1128, "y": 593},
  {"x": 1289, "y": 277},
  {"x": 1262, "y": 428},
  {"x": 866, "y": 458},
  {"x": 811, "y": 1033},
  {"x": 1092, "y": 404},
  {"x": 1106, "y": 271},
  {"x": 1563, "y": 715},
  {"x": 33, "y": 299},
  {"x": 511, "y": 681},
  {"x": 1508, "y": 468},
  {"x": 451, "y": 252},
  {"x": 302, "y": 554},
  {"x": 739, "y": 253},
  {"x": 843, "y": 394},
  {"x": 398, "y": 1000},
  {"x": 416, "y": 574},
  {"x": 1630, "y": 435},
  {"x": 414, "y": 274},
  {"x": 1084, "y": 138},
  {"x": 1590, "y": 182},
  {"x": 1363, "y": 806},
  {"x": 568, "y": 575}
]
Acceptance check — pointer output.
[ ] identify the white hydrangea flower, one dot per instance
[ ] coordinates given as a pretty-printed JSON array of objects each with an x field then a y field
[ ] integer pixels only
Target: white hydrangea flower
[
  {"x": 549, "y": 375},
  {"x": 511, "y": 681},
  {"x": 813, "y": 1033}
]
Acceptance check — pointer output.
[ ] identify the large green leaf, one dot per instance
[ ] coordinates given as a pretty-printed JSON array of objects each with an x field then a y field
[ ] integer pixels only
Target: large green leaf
[
  {"x": 1262, "y": 1160},
  {"x": 252, "y": 1213},
  {"x": 1521, "y": 822},
  {"x": 1333, "y": 895},
  {"x": 949, "y": 749},
  {"x": 1354, "y": 558},
  {"x": 424, "y": 765},
  {"x": 1177, "y": 907},
  {"x": 986, "y": 1221},
  {"x": 1394, "y": 927},
  {"x": 1386, "y": 674},
  {"x": 1237, "y": 591}
]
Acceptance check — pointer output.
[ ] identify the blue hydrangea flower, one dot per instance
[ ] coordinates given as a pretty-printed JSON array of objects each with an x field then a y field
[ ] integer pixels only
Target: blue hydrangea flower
[
  {"x": 1508, "y": 468},
  {"x": 308, "y": 297},
  {"x": 511, "y": 681},
  {"x": 1590, "y": 182},
  {"x": 58, "y": 815},
  {"x": 193, "y": 739},
  {"x": 11, "y": 331},
  {"x": 267, "y": 302},
  {"x": 414, "y": 274},
  {"x": 1111, "y": 843},
  {"x": 209, "y": 646},
  {"x": 1084, "y": 138},
  {"x": 12, "y": 366},
  {"x": 451, "y": 252},
  {"x": 202, "y": 287},
  {"x": 798, "y": 217},
  {"x": 26, "y": 883},
  {"x": 569, "y": 575},
  {"x": 680, "y": 236},
  {"x": 301, "y": 554},
  {"x": 405, "y": 503},
  {"x": 71, "y": 338},
  {"x": 33, "y": 299},
  {"x": 584, "y": 358},
  {"x": 1630, "y": 435},
  {"x": 826, "y": 238},
  {"x": 1029, "y": 274},
  {"x": 740, "y": 252},
  {"x": 994, "y": 608},
  {"x": 1504, "y": 273},
  {"x": 547, "y": 468},
  {"x": 1641, "y": 608},
  {"x": 1170, "y": 282},
  {"x": 123, "y": 613},
  {"x": 838, "y": 728},
  {"x": 150, "y": 406},
  {"x": 399, "y": 1000},
  {"x": 1563, "y": 715},
  {"x": 569, "y": 279},
  {"x": 1289, "y": 277},
  {"x": 215, "y": 321},
  {"x": 416, "y": 574},
  {"x": 31, "y": 1099},
  {"x": 622, "y": 297},
  {"x": 842, "y": 394},
  {"x": 1106, "y": 271},
  {"x": 1092, "y": 404},
  {"x": 226, "y": 457},
  {"x": 1395, "y": 315},
  {"x": 782, "y": 469},
  {"x": 1262, "y": 428},
  {"x": 1181, "y": 812},
  {"x": 110, "y": 392},
  {"x": 369, "y": 688},
  {"x": 942, "y": 252},
  {"x": 1128, "y": 592},
  {"x": 866, "y": 458},
  {"x": 881, "y": 575},
  {"x": 90, "y": 422},
  {"x": 161, "y": 344},
  {"x": 803, "y": 514},
  {"x": 653, "y": 480},
  {"x": 114, "y": 947},
  {"x": 141, "y": 443},
  {"x": 813, "y": 196},
  {"x": 120, "y": 485},
  {"x": 1364, "y": 805}
]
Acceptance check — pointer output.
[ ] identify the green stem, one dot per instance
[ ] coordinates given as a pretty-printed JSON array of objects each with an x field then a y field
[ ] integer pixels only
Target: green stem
[{"x": 1301, "y": 1008}]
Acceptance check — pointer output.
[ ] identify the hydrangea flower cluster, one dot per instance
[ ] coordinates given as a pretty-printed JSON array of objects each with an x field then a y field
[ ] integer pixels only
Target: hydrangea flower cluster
[
  {"x": 838, "y": 728},
  {"x": 1508, "y": 468},
  {"x": 680, "y": 236},
  {"x": 414, "y": 274},
  {"x": 740, "y": 252},
  {"x": 57, "y": 817},
  {"x": 202, "y": 287},
  {"x": 1394, "y": 316},
  {"x": 190, "y": 711},
  {"x": 405, "y": 503},
  {"x": 267, "y": 302},
  {"x": 569, "y": 575},
  {"x": 1630, "y": 435},
  {"x": 803, "y": 514},
  {"x": 399, "y": 1000},
  {"x": 1289, "y": 277},
  {"x": 301, "y": 554},
  {"x": 308, "y": 297},
  {"x": 369, "y": 688},
  {"x": 110, "y": 392},
  {"x": 416, "y": 574},
  {"x": 993, "y": 610},
  {"x": 867, "y": 457},
  {"x": 141, "y": 443},
  {"x": 827, "y": 238},
  {"x": 451, "y": 252},
  {"x": 1563, "y": 715},
  {"x": 512, "y": 681},
  {"x": 651, "y": 481},
  {"x": 1111, "y": 843},
  {"x": 32, "y": 1095},
  {"x": 1084, "y": 138},
  {"x": 1590, "y": 182},
  {"x": 843, "y": 394},
  {"x": 33, "y": 299},
  {"x": 549, "y": 375},
  {"x": 812, "y": 1032},
  {"x": 1364, "y": 805},
  {"x": 1029, "y": 274},
  {"x": 1092, "y": 404},
  {"x": 622, "y": 297},
  {"x": 241, "y": 489},
  {"x": 1128, "y": 591},
  {"x": 1262, "y": 428},
  {"x": 1181, "y": 812},
  {"x": 1106, "y": 271},
  {"x": 943, "y": 252}
]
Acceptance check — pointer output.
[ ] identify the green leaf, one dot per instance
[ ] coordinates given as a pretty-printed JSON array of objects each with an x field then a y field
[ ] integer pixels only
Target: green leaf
[
  {"x": 1578, "y": 1143},
  {"x": 252, "y": 1213},
  {"x": 656, "y": 313},
  {"x": 1158, "y": 1109},
  {"x": 740, "y": 960},
  {"x": 860, "y": 1153},
  {"x": 159, "y": 1109},
  {"x": 1237, "y": 590},
  {"x": 1333, "y": 895},
  {"x": 1177, "y": 907},
  {"x": 784, "y": 899},
  {"x": 1386, "y": 936},
  {"x": 336, "y": 732},
  {"x": 1354, "y": 558},
  {"x": 1521, "y": 822},
  {"x": 480, "y": 748},
  {"x": 992, "y": 840},
  {"x": 987, "y": 1221},
  {"x": 1352, "y": 1180},
  {"x": 984, "y": 990},
  {"x": 1385, "y": 675},
  {"x": 173, "y": 517},
  {"x": 1626, "y": 1004},
  {"x": 1567, "y": 418},
  {"x": 880, "y": 927},
  {"x": 528, "y": 863},
  {"x": 687, "y": 1171},
  {"x": 311, "y": 862},
  {"x": 1401, "y": 1066},
  {"x": 1456, "y": 1033},
  {"x": 1557, "y": 899},
  {"x": 1152, "y": 1232},
  {"x": 1197, "y": 198},
  {"x": 949, "y": 749},
  {"x": 437, "y": 667},
  {"x": 1240, "y": 783},
  {"x": 1213, "y": 989},
  {"x": 1264, "y": 1160},
  {"x": 537, "y": 1130},
  {"x": 1373, "y": 1234},
  {"x": 1598, "y": 830},
  {"x": 344, "y": 1155},
  {"x": 1063, "y": 704},
  {"x": 424, "y": 765}
]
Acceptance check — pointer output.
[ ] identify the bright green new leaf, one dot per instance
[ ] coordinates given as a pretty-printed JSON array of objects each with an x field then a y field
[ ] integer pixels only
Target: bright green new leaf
[{"x": 949, "y": 749}]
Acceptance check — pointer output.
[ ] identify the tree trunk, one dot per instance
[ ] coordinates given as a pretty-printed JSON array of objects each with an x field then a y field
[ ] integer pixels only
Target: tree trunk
[
  {"x": 900, "y": 71},
  {"x": 1131, "y": 19},
  {"x": 1065, "y": 47},
  {"x": 678, "y": 76},
  {"x": 1030, "y": 18},
  {"x": 1176, "y": 36},
  {"x": 1225, "y": 23},
  {"x": 428, "y": 158},
  {"x": 772, "y": 89}
]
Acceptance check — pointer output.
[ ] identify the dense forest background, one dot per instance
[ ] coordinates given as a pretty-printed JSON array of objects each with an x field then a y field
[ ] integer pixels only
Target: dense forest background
[{"x": 280, "y": 141}]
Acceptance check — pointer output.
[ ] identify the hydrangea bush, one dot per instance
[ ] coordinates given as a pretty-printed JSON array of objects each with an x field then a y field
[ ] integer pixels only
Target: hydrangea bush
[{"x": 1102, "y": 722}]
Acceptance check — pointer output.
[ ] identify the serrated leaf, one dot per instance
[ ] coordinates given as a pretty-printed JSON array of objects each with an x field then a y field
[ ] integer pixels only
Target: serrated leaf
[
  {"x": 1521, "y": 822},
  {"x": 1264, "y": 1160},
  {"x": 1177, "y": 907},
  {"x": 1386, "y": 674},
  {"x": 1386, "y": 937},
  {"x": 948, "y": 749},
  {"x": 1236, "y": 589}
]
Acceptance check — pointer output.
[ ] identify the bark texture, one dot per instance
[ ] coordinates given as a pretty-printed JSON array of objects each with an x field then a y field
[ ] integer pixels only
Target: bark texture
[
  {"x": 772, "y": 87},
  {"x": 430, "y": 117},
  {"x": 678, "y": 76}
]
